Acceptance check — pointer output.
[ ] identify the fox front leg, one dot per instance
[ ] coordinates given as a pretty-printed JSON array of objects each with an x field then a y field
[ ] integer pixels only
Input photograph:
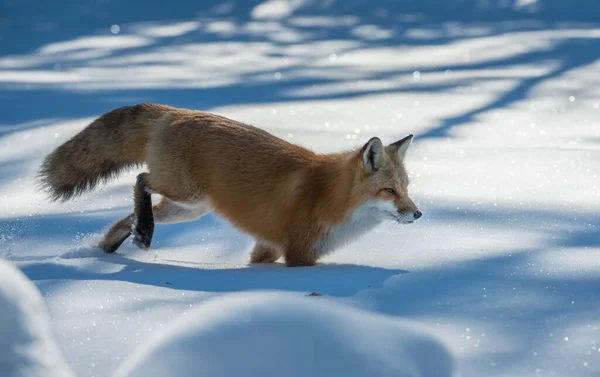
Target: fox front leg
[{"x": 300, "y": 255}]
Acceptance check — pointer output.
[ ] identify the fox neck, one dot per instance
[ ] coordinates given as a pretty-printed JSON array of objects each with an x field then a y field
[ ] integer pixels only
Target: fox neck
[
  {"x": 335, "y": 178},
  {"x": 345, "y": 216},
  {"x": 361, "y": 220}
]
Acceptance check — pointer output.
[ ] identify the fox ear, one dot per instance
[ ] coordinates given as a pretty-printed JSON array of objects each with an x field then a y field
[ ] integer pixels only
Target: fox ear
[
  {"x": 401, "y": 146},
  {"x": 372, "y": 154}
]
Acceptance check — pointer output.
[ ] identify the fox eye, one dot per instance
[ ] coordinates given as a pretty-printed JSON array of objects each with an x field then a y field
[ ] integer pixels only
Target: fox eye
[{"x": 390, "y": 191}]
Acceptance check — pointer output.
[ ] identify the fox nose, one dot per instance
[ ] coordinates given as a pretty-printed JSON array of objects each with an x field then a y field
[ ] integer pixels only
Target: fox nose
[{"x": 417, "y": 214}]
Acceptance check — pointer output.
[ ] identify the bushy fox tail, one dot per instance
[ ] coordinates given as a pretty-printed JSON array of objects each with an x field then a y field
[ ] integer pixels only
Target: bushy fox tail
[{"x": 109, "y": 145}]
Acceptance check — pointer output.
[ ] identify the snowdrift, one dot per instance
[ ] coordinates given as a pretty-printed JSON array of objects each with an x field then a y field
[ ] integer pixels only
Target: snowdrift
[
  {"x": 249, "y": 334},
  {"x": 273, "y": 334},
  {"x": 27, "y": 346}
]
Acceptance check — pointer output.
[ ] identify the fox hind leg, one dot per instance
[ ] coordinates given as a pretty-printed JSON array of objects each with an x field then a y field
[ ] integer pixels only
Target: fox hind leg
[
  {"x": 140, "y": 222},
  {"x": 144, "y": 217},
  {"x": 117, "y": 234},
  {"x": 166, "y": 211}
]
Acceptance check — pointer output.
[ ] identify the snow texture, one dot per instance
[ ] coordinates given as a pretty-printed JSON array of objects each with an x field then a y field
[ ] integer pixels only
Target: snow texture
[
  {"x": 269, "y": 334},
  {"x": 503, "y": 97},
  {"x": 28, "y": 348}
]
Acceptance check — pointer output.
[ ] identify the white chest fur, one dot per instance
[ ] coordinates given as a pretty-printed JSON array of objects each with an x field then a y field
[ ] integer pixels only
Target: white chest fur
[{"x": 364, "y": 218}]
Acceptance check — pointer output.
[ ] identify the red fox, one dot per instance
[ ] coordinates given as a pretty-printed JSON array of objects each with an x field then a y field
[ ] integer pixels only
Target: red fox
[{"x": 298, "y": 204}]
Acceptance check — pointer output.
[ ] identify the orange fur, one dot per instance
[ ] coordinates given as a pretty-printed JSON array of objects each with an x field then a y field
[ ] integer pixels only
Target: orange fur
[{"x": 290, "y": 198}]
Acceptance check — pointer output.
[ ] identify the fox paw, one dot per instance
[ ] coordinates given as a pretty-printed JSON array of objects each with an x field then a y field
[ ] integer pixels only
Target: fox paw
[
  {"x": 107, "y": 247},
  {"x": 142, "y": 238}
]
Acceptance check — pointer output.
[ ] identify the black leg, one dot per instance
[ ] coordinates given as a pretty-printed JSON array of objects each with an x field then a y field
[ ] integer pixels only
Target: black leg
[
  {"x": 144, "y": 225},
  {"x": 117, "y": 234},
  {"x": 111, "y": 248}
]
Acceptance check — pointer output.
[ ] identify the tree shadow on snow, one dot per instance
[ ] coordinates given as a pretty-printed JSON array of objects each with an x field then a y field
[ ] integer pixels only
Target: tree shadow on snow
[{"x": 48, "y": 46}]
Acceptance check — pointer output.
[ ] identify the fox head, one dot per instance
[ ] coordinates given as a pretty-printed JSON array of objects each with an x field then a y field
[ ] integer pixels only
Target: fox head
[{"x": 383, "y": 181}]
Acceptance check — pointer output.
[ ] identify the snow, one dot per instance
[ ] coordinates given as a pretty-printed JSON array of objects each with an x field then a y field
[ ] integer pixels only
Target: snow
[
  {"x": 258, "y": 334},
  {"x": 232, "y": 335},
  {"x": 27, "y": 344},
  {"x": 502, "y": 267}
]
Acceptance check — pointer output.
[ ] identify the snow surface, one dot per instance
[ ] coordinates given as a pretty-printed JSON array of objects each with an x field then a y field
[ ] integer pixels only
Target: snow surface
[
  {"x": 250, "y": 334},
  {"x": 27, "y": 344},
  {"x": 503, "y": 98},
  {"x": 269, "y": 334}
]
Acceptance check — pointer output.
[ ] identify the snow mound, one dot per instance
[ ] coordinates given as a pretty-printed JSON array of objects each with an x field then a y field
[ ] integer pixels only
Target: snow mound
[
  {"x": 273, "y": 334},
  {"x": 27, "y": 346}
]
